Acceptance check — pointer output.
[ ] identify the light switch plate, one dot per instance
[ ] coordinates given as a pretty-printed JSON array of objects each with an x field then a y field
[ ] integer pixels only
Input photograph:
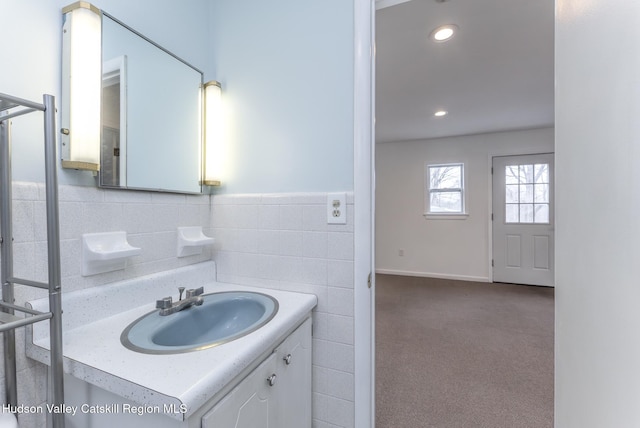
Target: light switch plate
[{"x": 337, "y": 208}]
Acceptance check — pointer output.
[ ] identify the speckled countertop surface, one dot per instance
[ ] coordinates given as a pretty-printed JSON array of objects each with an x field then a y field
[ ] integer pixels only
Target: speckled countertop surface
[{"x": 93, "y": 352}]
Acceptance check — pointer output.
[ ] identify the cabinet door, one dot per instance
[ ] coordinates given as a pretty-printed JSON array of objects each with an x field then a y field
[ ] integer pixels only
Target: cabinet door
[
  {"x": 249, "y": 404},
  {"x": 292, "y": 394}
]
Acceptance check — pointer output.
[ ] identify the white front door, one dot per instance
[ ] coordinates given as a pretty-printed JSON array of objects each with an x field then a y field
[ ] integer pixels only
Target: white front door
[{"x": 523, "y": 212}]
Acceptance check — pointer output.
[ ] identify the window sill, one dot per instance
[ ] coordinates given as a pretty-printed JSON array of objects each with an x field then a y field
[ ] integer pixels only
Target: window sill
[{"x": 433, "y": 216}]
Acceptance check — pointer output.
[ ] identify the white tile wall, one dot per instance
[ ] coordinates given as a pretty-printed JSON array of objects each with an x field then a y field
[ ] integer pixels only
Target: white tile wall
[
  {"x": 150, "y": 219},
  {"x": 283, "y": 241},
  {"x": 279, "y": 241}
]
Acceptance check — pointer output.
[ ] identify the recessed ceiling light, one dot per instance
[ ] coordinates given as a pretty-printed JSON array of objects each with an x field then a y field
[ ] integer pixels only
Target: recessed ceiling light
[
  {"x": 443, "y": 33},
  {"x": 440, "y": 113}
]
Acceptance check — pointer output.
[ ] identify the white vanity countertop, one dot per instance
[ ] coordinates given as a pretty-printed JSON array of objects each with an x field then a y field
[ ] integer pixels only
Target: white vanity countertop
[{"x": 93, "y": 352}]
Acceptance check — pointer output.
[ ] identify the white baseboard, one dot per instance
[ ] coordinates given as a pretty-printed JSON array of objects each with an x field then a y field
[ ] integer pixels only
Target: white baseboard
[{"x": 434, "y": 275}]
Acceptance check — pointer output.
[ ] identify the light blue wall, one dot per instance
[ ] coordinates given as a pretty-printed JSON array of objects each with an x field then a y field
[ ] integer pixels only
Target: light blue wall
[
  {"x": 31, "y": 59},
  {"x": 286, "y": 68},
  {"x": 30, "y": 31}
]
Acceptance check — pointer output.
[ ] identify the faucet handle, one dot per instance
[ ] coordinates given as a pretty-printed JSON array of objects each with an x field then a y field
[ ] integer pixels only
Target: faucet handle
[
  {"x": 192, "y": 293},
  {"x": 164, "y": 303}
]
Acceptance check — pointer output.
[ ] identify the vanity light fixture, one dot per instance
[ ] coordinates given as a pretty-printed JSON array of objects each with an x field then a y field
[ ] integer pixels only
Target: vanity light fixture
[
  {"x": 443, "y": 33},
  {"x": 81, "y": 86},
  {"x": 441, "y": 113},
  {"x": 213, "y": 134}
]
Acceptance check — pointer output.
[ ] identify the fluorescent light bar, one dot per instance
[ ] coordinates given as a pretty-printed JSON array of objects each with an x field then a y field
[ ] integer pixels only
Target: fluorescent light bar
[{"x": 81, "y": 86}]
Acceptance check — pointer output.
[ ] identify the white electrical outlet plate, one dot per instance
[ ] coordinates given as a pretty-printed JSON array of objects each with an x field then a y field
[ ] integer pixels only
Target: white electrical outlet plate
[{"x": 337, "y": 208}]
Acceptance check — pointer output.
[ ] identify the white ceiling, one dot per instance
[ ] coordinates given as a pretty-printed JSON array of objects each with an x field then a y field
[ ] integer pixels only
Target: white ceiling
[{"x": 496, "y": 74}]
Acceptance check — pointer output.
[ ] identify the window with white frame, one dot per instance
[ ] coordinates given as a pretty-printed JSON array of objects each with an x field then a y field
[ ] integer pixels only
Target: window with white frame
[{"x": 445, "y": 189}]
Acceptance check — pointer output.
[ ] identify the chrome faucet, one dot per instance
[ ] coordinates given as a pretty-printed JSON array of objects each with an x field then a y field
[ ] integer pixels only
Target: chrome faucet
[{"x": 193, "y": 298}]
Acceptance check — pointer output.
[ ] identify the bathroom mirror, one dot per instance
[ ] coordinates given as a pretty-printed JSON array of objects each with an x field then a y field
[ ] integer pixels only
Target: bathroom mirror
[{"x": 151, "y": 134}]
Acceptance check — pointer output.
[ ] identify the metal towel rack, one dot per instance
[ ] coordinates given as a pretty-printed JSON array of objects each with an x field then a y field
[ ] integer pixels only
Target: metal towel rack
[{"x": 9, "y": 322}]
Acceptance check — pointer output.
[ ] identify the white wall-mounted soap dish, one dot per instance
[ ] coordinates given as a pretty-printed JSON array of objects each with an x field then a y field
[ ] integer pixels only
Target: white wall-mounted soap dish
[
  {"x": 105, "y": 252},
  {"x": 191, "y": 240}
]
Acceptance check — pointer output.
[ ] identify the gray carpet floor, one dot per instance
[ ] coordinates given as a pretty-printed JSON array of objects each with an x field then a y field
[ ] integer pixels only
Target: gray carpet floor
[{"x": 456, "y": 354}]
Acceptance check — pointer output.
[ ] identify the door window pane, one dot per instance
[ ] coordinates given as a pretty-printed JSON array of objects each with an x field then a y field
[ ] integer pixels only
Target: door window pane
[
  {"x": 526, "y": 185},
  {"x": 511, "y": 174},
  {"x": 526, "y": 193},
  {"x": 526, "y": 213},
  {"x": 512, "y": 214},
  {"x": 526, "y": 174},
  {"x": 512, "y": 194},
  {"x": 541, "y": 193},
  {"x": 541, "y": 213},
  {"x": 541, "y": 173}
]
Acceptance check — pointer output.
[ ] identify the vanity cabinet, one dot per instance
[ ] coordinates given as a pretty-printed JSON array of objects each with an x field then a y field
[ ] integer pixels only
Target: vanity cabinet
[
  {"x": 276, "y": 394},
  {"x": 248, "y": 405},
  {"x": 292, "y": 397},
  {"x": 107, "y": 384}
]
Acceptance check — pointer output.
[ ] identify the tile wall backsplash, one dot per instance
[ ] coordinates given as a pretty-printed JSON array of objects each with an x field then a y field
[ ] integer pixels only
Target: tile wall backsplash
[
  {"x": 150, "y": 220},
  {"x": 283, "y": 242},
  {"x": 279, "y": 241}
]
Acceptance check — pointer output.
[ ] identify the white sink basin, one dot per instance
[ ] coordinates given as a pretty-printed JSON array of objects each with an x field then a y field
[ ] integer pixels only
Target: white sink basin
[{"x": 221, "y": 318}]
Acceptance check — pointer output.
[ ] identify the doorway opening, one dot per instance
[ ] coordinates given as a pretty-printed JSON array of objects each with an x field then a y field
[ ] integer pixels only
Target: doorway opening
[{"x": 434, "y": 272}]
